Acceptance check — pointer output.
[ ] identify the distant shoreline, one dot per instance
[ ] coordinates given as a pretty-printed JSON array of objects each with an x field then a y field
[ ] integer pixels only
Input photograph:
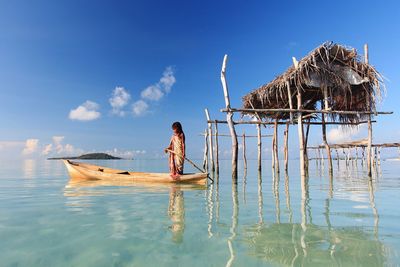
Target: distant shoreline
[{"x": 90, "y": 156}]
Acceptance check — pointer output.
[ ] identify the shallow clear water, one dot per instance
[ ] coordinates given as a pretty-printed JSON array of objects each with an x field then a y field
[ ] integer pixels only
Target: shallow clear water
[{"x": 266, "y": 220}]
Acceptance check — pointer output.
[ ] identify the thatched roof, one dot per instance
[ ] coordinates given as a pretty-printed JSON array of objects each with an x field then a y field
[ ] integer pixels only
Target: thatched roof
[{"x": 350, "y": 83}]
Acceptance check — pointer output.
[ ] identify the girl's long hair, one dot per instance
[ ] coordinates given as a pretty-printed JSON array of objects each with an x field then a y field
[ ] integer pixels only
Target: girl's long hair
[{"x": 178, "y": 126}]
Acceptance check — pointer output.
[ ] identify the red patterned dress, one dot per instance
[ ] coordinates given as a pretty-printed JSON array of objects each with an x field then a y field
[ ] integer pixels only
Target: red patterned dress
[{"x": 176, "y": 159}]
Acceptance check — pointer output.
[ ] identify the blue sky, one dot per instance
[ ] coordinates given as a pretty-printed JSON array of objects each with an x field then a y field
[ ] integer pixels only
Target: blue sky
[{"x": 56, "y": 55}]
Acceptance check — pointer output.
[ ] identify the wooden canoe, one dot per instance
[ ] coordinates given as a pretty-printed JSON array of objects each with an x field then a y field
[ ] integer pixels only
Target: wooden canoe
[{"x": 79, "y": 170}]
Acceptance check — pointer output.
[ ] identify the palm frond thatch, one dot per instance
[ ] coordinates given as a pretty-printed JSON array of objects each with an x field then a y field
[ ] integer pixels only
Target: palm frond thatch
[{"x": 351, "y": 84}]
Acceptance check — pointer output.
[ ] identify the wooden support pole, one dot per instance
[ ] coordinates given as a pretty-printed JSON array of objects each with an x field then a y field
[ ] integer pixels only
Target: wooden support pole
[
  {"x": 369, "y": 148},
  {"x": 244, "y": 154},
  {"x": 229, "y": 119},
  {"x": 216, "y": 149},
  {"x": 259, "y": 146},
  {"x": 301, "y": 135},
  {"x": 300, "y": 127},
  {"x": 288, "y": 110},
  {"x": 205, "y": 159},
  {"x": 321, "y": 156},
  {"x": 210, "y": 142},
  {"x": 286, "y": 152},
  {"x": 306, "y": 143},
  {"x": 247, "y": 135},
  {"x": 304, "y": 122},
  {"x": 356, "y": 155},
  {"x": 379, "y": 156},
  {"x": 276, "y": 152},
  {"x": 337, "y": 158},
  {"x": 363, "y": 156},
  {"x": 328, "y": 149},
  {"x": 272, "y": 152}
]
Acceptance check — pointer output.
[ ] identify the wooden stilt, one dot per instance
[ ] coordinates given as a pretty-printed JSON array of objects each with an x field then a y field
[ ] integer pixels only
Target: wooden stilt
[
  {"x": 337, "y": 158},
  {"x": 273, "y": 152},
  {"x": 356, "y": 155},
  {"x": 276, "y": 152},
  {"x": 363, "y": 156},
  {"x": 216, "y": 149},
  {"x": 321, "y": 156},
  {"x": 229, "y": 119},
  {"x": 205, "y": 160},
  {"x": 328, "y": 150},
  {"x": 306, "y": 143},
  {"x": 210, "y": 142},
  {"x": 259, "y": 146},
  {"x": 301, "y": 134},
  {"x": 369, "y": 154},
  {"x": 300, "y": 126},
  {"x": 379, "y": 156},
  {"x": 244, "y": 154},
  {"x": 286, "y": 152}
]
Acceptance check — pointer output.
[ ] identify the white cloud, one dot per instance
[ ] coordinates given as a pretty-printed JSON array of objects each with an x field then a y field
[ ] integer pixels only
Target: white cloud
[
  {"x": 156, "y": 91},
  {"x": 57, "y": 140},
  {"x": 31, "y": 146},
  {"x": 85, "y": 112},
  {"x": 153, "y": 92},
  {"x": 168, "y": 79},
  {"x": 139, "y": 108},
  {"x": 47, "y": 149},
  {"x": 119, "y": 99},
  {"x": 342, "y": 134},
  {"x": 71, "y": 150}
]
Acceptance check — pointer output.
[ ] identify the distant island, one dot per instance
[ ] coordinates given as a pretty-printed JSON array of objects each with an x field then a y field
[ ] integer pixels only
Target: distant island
[{"x": 89, "y": 156}]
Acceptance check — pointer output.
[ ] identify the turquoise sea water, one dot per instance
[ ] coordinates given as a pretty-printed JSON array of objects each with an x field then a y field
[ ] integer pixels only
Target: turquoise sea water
[{"x": 266, "y": 220}]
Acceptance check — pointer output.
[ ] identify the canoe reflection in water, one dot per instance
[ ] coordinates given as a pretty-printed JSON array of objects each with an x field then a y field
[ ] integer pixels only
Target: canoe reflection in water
[{"x": 176, "y": 212}]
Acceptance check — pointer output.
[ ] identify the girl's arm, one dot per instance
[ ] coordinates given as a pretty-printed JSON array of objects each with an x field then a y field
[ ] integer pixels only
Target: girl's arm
[{"x": 169, "y": 146}]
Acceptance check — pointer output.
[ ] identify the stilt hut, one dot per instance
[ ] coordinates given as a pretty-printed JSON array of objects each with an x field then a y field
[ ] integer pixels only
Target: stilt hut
[{"x": 331, "y": 85}]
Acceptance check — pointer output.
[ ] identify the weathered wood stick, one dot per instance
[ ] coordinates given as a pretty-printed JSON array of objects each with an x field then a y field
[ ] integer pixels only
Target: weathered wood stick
[
  {"x": 259, "y": 146},
  {"x": 288, "y": 110},
  {"x": 244, "y": 153},
  {"x": 210, "y": 141},
  {"x": 369, "y": 147},
  {"x": 216, "y": 149},
  {"x": 276, "y": 152},
  {"x": 246, "y": 136},
  {"x": 286, "y": 139},
  {"x": 229, "y": 119},
  {"x": 304, "y": 122}
]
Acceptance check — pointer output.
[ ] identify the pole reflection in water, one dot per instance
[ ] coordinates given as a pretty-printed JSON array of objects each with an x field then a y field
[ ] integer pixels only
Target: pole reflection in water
[
  {"x": 303, "y": 211},
  {"x": 373, "y": 206},
  {"x": 260, "y": 199},
  {"x": 302, "y": 243},
  {"x": 287, "y": 195},
  {"x": 235, "y": 213},
  {"x": 244, "y": 187},
  {"x": 210, "y": 208},
  {"x": 216, "y": 182},
  {"x": 275, "y": 185},
  {"x": 176, "y": 212}
]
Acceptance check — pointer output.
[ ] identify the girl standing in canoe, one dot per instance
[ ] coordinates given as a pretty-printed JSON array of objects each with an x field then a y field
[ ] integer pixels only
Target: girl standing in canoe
[{"x": 177, "y": 145}]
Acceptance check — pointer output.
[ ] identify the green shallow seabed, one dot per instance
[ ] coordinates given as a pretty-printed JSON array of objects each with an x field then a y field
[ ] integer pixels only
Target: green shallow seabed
[{"x": 264, "y": 220}]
